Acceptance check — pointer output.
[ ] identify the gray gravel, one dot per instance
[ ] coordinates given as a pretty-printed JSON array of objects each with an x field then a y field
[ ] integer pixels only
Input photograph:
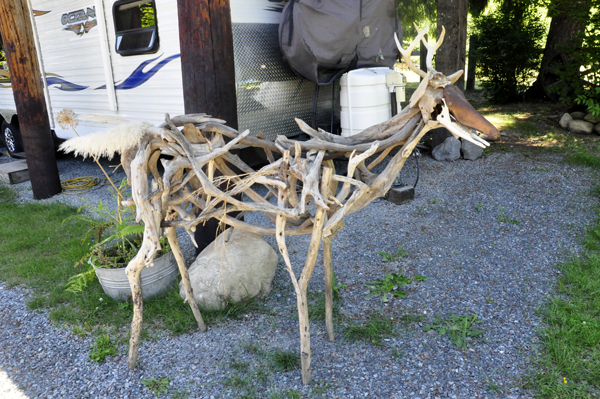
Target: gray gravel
[{"x": 475, "y": 264}]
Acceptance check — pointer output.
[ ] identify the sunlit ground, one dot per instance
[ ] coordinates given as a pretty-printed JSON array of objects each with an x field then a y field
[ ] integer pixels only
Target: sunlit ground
[{"x": 8, "y": 390}]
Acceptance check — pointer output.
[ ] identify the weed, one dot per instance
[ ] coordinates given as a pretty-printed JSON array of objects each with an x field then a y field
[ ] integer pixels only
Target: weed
[
  {"x": 239, "y": 366},
  {"x": 373, "y": 330},
  {"x": 410, "y": 318},
  {"x": 6, "y": 193},
  {"x": 479, "y": 207},
  {"x": 459, "y": 328},
  {"x": 335, "y": 286},
  {"x": 157, "y": 385},
  {"x": 253, "y": 348},
  {"x": 238, "y": 381},
  {"x": 399, "y": 254},
  {"x": 390, "y": 285},
  {"x": 434, "y": 201},
  {"x": 505, "y": 219},
  {"x": 316, "y": 306},
  {"x": 180, "y": 394},
  {"x": 285, "y": 360},
  {"x": 539, "y": 168},
  {"x": 102, "y": 347}
]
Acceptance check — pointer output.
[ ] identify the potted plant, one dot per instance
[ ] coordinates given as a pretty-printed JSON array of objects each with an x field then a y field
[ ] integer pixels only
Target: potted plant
[{"x": 115, "y": 240}]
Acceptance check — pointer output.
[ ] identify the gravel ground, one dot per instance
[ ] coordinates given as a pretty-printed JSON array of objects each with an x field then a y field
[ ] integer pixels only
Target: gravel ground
[{"x": 475, "y": 264}]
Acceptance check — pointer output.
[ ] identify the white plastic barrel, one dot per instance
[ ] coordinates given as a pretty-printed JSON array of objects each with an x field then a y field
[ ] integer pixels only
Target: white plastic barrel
[{"x": 364, "y": 98}]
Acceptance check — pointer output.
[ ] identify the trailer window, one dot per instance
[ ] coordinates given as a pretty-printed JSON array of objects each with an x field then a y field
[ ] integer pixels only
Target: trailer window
[{"x": 135, "y": 27}]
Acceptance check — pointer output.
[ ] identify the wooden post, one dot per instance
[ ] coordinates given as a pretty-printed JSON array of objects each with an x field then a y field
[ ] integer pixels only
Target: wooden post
[
  {"x": 27, "y": 85},
  {"x": 208, "y": 71}
]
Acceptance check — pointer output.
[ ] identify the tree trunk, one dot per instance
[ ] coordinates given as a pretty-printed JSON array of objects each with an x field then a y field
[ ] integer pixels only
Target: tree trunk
[
  {"x": 26, "y": 81},
  {"x": 450, "y": 57},
  {"x": 472, "y": 62},
  {"x": 564, "y": 33}
]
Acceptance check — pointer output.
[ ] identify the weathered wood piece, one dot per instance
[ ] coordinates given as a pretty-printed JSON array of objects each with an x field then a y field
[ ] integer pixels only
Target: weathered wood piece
[{"x": 14, "y": 172}]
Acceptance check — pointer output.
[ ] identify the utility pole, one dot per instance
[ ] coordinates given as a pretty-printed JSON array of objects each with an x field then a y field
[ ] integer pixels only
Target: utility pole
[
  {"x": 27, "y": 86},
  {"x": 208, "y": 71}
]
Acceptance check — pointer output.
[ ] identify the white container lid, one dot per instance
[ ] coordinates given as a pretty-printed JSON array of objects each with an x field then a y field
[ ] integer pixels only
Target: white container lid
[{"x": 365, "y": 76}]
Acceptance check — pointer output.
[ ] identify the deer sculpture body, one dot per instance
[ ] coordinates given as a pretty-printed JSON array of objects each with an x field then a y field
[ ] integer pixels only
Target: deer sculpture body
[{"x": 190, "y": 191}]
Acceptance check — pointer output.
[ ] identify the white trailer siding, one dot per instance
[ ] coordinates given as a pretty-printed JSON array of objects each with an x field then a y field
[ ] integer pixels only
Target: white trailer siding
[{"x": 79, "y": 57}]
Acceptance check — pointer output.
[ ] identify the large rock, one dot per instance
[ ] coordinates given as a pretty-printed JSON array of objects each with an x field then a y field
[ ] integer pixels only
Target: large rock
[
  {"x": 449, "y": 150},
  {"x": 580, "y": 127},
  {"x": 232, "y": 271},
  {"x": 597, "y": 129},
  {"x": 592, "y": 119},
  {"x": 564, "y": 120},
  {"x": 577, "y": 115},
  {"x": 470, "y": 151}
]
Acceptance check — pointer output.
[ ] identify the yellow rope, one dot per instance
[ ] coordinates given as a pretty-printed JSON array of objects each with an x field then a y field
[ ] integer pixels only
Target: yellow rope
[{"x": 79, "y": 184}]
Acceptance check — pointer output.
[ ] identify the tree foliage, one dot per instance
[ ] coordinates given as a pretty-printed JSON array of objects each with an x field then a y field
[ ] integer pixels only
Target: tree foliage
[{"x": 510, "y": 47}]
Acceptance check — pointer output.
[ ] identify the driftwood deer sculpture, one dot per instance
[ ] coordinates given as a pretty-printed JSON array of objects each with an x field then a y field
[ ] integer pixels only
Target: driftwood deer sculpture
[{"x": 305, "y": 195}]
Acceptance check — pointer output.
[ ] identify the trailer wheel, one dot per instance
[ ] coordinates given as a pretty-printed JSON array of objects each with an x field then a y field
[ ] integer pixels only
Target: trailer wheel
[{"x": 11, "y": 135}]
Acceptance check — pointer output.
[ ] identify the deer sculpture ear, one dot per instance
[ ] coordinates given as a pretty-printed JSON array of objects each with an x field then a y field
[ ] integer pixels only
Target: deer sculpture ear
[{"x": 455, "y": 76}]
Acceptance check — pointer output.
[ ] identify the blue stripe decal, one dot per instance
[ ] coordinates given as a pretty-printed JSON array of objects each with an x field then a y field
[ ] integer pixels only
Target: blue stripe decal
[
  {"x": 138, "y": 77},
  {"x": 62, "y": 84}
]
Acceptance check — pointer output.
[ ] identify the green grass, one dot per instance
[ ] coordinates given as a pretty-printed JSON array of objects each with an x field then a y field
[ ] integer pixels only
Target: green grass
[
  {"x": 374, "y": 329},
  {"x": 569, "y": 363},
  {"x": 42, "y": 257}
]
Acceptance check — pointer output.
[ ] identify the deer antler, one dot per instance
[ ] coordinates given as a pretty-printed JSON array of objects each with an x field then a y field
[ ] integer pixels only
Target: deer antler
[
  {"x": 432, "y": 49},
  {"x": 406, "y": 53}
]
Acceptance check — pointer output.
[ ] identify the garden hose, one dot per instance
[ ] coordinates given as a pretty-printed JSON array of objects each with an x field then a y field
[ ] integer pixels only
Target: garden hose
[{"x": 80, "y": 184}]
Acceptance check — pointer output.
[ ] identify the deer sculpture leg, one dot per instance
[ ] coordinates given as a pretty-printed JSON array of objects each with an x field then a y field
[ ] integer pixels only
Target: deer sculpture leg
[
  {"x": 328, "y": 287},
  {"x": 301, "y": 284},
  {"x": 185, "y": 276},
  {"x": 134, "y": 275}
]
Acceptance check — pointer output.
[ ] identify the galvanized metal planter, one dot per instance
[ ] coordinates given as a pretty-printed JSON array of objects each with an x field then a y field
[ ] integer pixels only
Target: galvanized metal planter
[{"x": 155, "y": 280}]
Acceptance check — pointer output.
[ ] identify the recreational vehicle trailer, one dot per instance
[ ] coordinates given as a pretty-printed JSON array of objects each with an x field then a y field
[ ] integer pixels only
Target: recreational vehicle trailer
[{"x": 116, "y": 61}]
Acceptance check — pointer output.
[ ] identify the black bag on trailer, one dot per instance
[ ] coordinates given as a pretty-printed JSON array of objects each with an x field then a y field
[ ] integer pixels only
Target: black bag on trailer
[{"x": 322, "y": 39}]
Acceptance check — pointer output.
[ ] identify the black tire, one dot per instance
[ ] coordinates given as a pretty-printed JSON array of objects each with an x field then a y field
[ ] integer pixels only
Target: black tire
[{"x": 11, "y": 136}]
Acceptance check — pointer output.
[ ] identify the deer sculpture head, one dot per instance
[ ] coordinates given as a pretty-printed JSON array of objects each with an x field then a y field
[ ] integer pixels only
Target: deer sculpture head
[{"x": 437, "y": 97}]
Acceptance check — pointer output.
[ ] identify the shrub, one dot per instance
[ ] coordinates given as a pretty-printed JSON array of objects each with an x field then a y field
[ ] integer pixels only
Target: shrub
[{"x": 509, "y": 51}]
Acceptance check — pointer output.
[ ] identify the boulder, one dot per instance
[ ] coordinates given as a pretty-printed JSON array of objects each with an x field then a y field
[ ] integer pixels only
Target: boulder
[
  {"x": 449, "y": 150},
  {"x": 564, "y": 120},
  {"x": 580, "y": 127},
  {"x": 592, "y": 119},
  {"x": 470, "y": 151},
  {"x": 577, "y": 115},
  {"x": 597, "y": 129},
  {"x": 238, "y": 269}
]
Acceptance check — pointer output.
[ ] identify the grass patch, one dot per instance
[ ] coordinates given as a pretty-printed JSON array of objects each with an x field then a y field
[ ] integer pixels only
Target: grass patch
[
  {"x": 43, "y": 257},
  {"x": 285, "y": 360},
  {"x": 569, "y": 365},
  {"x": 374, "y": 329},
  {"x": 102, "y": 347}
]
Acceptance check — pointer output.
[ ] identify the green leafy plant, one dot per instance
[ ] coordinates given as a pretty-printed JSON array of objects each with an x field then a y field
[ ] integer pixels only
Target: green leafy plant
[
  {"x": 102, "y": 347},
  {"x": 505, "y": 219},
  {"x": 157, "y": 385},
  {"x": 399, "y": 254},
  {"x": 115, "y": 239},
  {"x": 391, "y": 285},
  {"x": 479, "y": 207},
  {"x": 336, "y": 287},
  {"x": 458, "y": 328}
]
